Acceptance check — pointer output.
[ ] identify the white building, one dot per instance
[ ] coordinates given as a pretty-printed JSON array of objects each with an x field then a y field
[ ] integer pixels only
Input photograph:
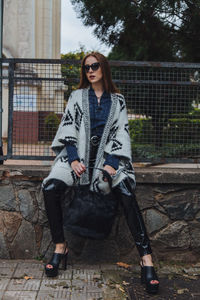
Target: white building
[{"x": 32, "y": 29}]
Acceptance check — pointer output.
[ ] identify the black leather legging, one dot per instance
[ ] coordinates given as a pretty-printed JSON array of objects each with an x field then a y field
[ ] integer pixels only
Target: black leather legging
[
  {"x": 53, "y": 192},
  {"x": 126, "y": 196}
]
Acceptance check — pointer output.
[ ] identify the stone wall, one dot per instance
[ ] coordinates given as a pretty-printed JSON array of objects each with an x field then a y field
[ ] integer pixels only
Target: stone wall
[{"x": 168, "y": 198}]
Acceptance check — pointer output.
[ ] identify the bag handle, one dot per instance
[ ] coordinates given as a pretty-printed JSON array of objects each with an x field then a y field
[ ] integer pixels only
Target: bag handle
[{"x": 105, "y": 175}]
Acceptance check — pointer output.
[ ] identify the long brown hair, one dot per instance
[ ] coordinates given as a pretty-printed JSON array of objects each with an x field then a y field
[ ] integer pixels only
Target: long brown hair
[{"x": 108, "y": 84}]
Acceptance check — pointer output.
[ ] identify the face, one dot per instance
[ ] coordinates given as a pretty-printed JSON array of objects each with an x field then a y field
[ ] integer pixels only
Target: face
[{"x": 93, "y": 76}]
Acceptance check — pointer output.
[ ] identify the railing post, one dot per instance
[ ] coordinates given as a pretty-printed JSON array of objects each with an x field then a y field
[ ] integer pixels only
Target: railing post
[
  {"x": 10, "y": 108},
  {"x": 1, "y": 110}
]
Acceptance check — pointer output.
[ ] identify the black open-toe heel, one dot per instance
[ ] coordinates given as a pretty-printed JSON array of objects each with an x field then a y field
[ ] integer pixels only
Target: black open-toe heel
[
  {"x": 55, "y": 262},
  {"x": 147, "y": 275}
]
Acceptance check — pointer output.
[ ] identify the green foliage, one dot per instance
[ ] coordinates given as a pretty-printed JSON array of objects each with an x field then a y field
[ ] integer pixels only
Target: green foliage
[
  {"x": 193, "y": 114},
  {"x": 187, "y": 130},
  {"x": 141, "y": 130},
  {"x": 51, "y": 125},
  {"x": 71, "y": 69},
  {"x": 158, "y": 106},
  {"x": 196, "y": 112},
  {"x": 168, "y": 151},
  {"x": 189, "y": 38},
  {"x": 181, "y": 137},
  {"x": 155, "y": 30}
]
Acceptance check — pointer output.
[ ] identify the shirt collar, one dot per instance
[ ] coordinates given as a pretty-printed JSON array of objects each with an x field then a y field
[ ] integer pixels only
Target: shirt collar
[{"x": 104, "y": 95}]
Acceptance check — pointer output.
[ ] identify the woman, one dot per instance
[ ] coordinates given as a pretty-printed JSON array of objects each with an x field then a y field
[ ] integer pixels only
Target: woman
[{"x": 94, "y": 132}]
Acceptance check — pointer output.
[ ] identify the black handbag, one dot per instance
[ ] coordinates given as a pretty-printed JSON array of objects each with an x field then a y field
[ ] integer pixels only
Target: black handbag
[{"x": 91, "y": 214}]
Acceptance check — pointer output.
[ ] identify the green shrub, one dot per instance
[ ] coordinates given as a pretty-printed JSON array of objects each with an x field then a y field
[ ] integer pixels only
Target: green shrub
[
  {"x": 51, "y": 125},
  {"x": 141, "y": 130},
  {"x": 181, "y": 138},
  {"x": 194, "y": 114},
  {"x": 183, "y": 131},
  {"x": 149, "y": 152}
]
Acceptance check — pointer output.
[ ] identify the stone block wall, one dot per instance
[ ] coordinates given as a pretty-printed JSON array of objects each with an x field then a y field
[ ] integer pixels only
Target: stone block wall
[{"x": 169, "y": 200}]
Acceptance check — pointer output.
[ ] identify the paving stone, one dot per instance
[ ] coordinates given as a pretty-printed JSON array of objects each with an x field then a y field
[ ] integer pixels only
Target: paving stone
[
  {"x": 8, "y": 263},
  {"x": 192, "y": 271},
  {"x": 78, "y": 286},
  {"x": 6, "y": 272},
  {"x": 30, "y": 264},
  {"x": 113, "y": 288},
  {"x": 55, "y": 284},
  {"x": 93, "y": 283},
  {"x": 87, "y": 267},
  {"x": 111, "y": 297},
  {"x": 87, "y": 274},
  {"x": 87, "y": 296},
  {"x": 34, "y": 270},
  {"x": 3, "y": 283},
  {"x": 79, "y": 296},
  {"x": 24, "y": 285},
  {"x": 94, "y": 287},
  {"x": 109, "y": 267},
  {"x": 113, "y": 294},
  {"x": 86, "y": 287},
  {"x": 67, "y": 274},
  {"x": 19, "y": 295},
  {"x": 58, "y": 295}
]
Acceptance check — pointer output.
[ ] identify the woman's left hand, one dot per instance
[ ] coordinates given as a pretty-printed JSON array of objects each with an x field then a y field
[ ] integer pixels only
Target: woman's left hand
[{"x": 110, "y": 170}]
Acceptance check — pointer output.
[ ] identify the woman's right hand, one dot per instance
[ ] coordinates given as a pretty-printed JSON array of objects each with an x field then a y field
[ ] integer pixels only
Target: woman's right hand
[{"x": 78, "y": 167}]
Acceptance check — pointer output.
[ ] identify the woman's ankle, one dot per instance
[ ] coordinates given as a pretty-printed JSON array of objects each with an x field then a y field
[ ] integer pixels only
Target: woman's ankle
[
  {"x": 61, "y": 247},
  {"x": 146, "y": 260}
]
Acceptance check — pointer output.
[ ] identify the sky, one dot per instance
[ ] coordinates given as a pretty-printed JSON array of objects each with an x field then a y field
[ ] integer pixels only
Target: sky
[{"x": 74, "y": 34}]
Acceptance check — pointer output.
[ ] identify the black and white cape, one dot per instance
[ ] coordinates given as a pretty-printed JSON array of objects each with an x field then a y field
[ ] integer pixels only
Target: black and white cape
[{"x": 75, "y": 128}]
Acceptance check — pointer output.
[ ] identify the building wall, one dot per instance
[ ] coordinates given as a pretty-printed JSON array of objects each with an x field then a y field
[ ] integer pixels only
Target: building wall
[{"x": 32, "y": 28}]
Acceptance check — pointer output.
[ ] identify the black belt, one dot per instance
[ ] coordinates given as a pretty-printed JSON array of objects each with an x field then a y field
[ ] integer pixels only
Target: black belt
[{"x": 95, "y": 140}]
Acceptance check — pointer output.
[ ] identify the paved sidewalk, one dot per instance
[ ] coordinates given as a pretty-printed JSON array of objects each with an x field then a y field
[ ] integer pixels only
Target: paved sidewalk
[{"x": 25, "y": 280}]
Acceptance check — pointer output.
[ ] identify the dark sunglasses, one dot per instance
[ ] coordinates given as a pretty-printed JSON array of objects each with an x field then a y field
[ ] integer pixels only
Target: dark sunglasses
[{"x": 93, "y": 66}]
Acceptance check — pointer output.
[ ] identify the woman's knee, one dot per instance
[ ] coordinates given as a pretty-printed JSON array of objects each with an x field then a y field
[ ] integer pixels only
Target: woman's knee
[{"x": 54, "y": 185}]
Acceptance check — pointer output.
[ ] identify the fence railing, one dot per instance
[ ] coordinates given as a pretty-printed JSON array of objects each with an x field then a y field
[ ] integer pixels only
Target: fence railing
[{"x": 163, "y": 101}]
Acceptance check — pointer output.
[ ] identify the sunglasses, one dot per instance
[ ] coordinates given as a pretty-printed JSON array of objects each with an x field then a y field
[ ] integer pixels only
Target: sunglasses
[{"x": 93, "y": 66}]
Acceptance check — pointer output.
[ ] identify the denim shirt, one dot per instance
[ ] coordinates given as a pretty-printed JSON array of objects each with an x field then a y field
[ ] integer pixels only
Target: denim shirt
[
  {"x": 98, "y": 112},
  {"x": 98, "y": 118}
]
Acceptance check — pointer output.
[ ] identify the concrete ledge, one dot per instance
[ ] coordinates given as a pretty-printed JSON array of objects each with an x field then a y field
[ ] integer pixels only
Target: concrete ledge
[{"x": 143, "y": 174}]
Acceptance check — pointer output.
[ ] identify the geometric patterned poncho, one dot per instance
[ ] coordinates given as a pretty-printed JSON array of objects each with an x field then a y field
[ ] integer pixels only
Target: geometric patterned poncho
[{"x": 75, "y": 128}]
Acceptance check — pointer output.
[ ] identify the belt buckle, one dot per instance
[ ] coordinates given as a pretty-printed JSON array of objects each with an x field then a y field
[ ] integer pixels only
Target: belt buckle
[{"x": 94, "y": 140}]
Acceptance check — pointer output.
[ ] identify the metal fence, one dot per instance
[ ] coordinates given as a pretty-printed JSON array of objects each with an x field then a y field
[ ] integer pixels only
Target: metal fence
[{"x": 163, "y": 101}]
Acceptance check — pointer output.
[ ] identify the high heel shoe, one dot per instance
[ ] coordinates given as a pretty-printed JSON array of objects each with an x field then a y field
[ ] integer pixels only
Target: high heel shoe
[
  {"x": 148, "y": 274},
  {"x": 55, "y": 262}
]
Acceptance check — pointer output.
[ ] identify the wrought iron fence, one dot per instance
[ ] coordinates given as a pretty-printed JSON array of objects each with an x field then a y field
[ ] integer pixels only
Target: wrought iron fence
[{"x": 163, "y": 102}]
